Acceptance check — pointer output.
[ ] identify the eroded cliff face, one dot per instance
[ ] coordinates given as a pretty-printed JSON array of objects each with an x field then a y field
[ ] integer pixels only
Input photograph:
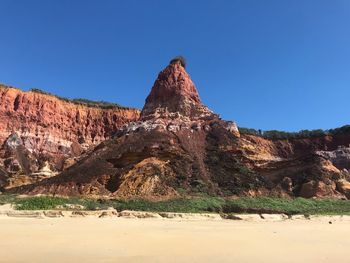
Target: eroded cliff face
[
  {"x": 163, "y": 151},
  {"x": 309, "y": 167},
  {"x": 37, "y": 128},
  {"x": 178, "y": 143}
]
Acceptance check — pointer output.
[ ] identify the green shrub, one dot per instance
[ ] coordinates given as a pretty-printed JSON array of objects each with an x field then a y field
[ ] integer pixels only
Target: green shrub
[
  {"x": 282, "y": 135},
  {"x": 181, "y": 59},
  {"x": 84, "y": 102},
  {"x": 341, "y": 130},
  {"x": 287, "y": 206},
  {"x": 197, "y": 204},
  {"x": 249, "y": 131},
  {"x": 39, "y": 203}
]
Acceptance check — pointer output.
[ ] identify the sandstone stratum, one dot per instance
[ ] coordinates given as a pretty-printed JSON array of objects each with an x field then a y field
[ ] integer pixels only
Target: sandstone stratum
[
  {"x": 41, "y": 134},
  {"x": 175, "y": 146}
]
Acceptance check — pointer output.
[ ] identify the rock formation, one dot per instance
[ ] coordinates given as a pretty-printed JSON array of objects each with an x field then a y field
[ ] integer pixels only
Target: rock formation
[
  {"x": 174, "y": 92},
  {"x": 178, "y": 145},
  {"x": 165, "y": 150},
  {"x": 37, "y": 128},
  {"x": 339, "y": 157}
]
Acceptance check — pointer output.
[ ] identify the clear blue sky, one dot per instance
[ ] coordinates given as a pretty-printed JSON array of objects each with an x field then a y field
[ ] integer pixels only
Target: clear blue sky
[{"x": 265, "y": 64}]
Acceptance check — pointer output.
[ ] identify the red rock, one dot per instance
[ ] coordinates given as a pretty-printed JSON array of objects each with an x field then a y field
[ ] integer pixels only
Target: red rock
[
  {"x": 150, "y": 158},
  {"x": 54, "y": 129},
  {"x": 178, "y": 143},
  {"x": 343, "y": 186},
  {"x": 318, "y": 189},
  {"x": 174, "y": 92}
]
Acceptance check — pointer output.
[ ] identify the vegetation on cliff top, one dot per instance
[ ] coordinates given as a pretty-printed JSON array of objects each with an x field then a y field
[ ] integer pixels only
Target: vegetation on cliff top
[
  {"x": 84, "y": 102},
  {"x": 78, "y": 101},
  {"x": 180, "y": 59},
  {"x": 192, "y": 205},
  {"x": 279, "y": 135}
]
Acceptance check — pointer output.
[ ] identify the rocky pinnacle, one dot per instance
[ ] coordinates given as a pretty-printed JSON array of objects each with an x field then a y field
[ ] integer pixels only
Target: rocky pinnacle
[{"x": 174, "y": 92}]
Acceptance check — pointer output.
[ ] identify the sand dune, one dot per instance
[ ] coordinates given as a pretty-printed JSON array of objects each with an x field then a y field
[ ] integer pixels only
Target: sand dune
[{"x": 154, "y": 240}]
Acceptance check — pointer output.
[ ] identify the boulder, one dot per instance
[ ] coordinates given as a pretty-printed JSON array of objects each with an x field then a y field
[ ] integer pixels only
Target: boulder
[
  {"x": 317, "y": 189},
  {"x": 343, "y": 186}
]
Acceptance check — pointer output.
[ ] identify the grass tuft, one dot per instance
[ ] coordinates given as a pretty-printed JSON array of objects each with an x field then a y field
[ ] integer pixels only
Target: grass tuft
[
  {"x": 39, "y": 203},
  {"x": 191, "y": 205}
]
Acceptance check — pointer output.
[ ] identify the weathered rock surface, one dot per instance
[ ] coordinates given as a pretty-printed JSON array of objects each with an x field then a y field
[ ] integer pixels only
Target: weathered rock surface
[
  {"x": 36, "y": 129},
  {"x": 343, "y": 186},
  {"x": 339, "y": 157},
  {"x": 174, "y": 92},
  {"x": 165, "y": 150},
  {"x": 3, "y": 177},
  {"x": 179, "y": 144}
]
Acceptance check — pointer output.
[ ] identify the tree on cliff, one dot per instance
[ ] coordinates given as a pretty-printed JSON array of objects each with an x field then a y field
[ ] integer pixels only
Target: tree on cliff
[{"x": 181, "y": 59}]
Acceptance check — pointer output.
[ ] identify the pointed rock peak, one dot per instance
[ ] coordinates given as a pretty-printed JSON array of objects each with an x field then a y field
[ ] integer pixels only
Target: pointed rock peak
[{"x": 174, "y": 92}]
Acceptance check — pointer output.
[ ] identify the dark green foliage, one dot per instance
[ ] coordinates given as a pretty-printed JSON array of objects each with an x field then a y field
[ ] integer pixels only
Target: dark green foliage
[
  {"x": 192, "y": 204},
  {"x": 293, "y": 135},
  {"x": 248, "y": 131},
  {"x": 179, "y": 58},
  {"x": 41, "y": 91},
  {"x": 341, "y": 130},
  {"x": 39, "y": 203},
  {"x": 199, "y": 186},
  {"x": 303, "y": 134},
  {"x": 51, "y": 203},
  {"x": 85, "y": 102},
  {"x": 287, "y": 206},
  {"x": 98, "y": 104}
]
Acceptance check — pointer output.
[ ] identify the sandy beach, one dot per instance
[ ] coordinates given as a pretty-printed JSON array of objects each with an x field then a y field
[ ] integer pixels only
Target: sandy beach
[{"x": 155, "y": 240}]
